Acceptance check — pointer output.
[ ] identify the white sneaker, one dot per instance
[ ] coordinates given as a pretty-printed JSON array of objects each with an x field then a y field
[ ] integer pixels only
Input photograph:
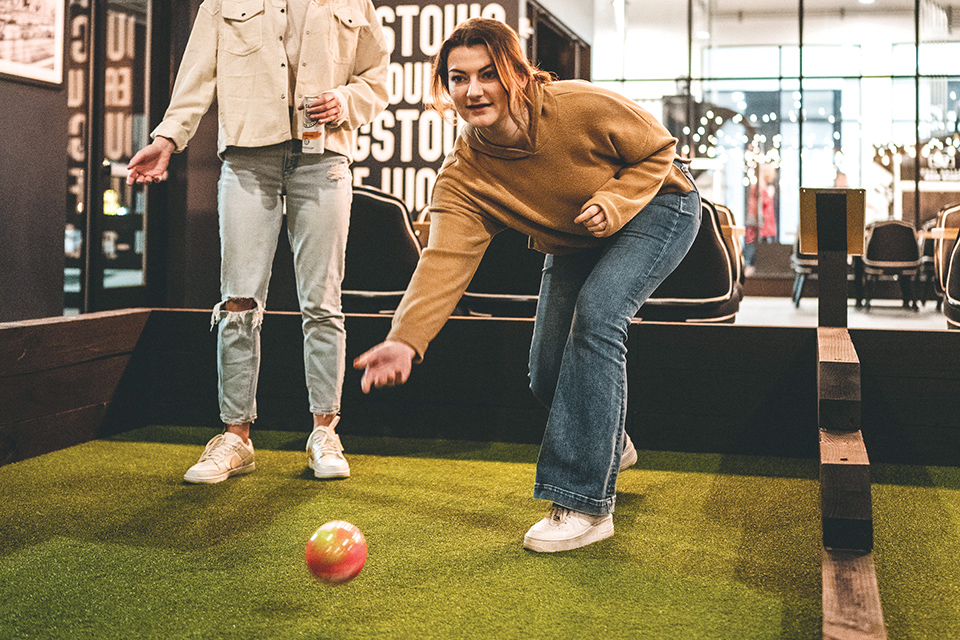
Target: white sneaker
[
  {"x": 564, "y": 529},
  {"x": 226, "y": 455},
  {"x": 325, "y": 453},
  {"x": 629, "y": 456}
]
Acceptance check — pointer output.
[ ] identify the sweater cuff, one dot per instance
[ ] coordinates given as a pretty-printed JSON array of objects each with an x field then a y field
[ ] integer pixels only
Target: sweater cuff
[{"x": 398, "y": 336}]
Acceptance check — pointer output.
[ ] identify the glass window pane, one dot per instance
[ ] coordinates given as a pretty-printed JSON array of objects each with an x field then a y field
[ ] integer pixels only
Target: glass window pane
[
  {"x": 640, "y": 40},
  {"x": 940, "y": 138},
  {"x": 939, "y": 39},
  {"x": 745, "y": 153},
  {"x": 125, "y": 131},
  {"x": 903, "y": 60},
  {"x": 831, "y": 60},
  {"x": 742, "y": 62},
  {"x": 790, "y": 61},
  {"x": 849, "y": 38},
  {"x": 903, "y": 110},
  {"x": 939, "y": 58}
]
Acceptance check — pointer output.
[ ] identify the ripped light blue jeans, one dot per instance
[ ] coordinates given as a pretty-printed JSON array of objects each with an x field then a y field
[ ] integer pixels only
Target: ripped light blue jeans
[
  {"x": 578, "y": 355},
  {"x": 254, "y": 182}
]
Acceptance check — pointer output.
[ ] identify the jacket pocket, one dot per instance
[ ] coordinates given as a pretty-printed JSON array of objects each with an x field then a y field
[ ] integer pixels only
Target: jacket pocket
[
  {"x": 242, "y": 26},
  {"x": 346, "y": 33}
]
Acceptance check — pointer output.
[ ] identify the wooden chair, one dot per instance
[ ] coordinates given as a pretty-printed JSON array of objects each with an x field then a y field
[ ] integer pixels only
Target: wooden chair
[
  {"x": 927, "y": 275},
  {"x": 804, "y": 265},
  {"x": 731, "y": 237}
]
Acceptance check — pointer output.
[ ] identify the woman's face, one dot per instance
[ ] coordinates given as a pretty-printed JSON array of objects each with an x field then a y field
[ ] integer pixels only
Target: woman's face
[{"x": 475, "y": 87}]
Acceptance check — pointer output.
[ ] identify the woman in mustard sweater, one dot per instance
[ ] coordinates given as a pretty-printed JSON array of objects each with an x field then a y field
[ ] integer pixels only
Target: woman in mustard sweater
[{"x": 594, "y": 180}]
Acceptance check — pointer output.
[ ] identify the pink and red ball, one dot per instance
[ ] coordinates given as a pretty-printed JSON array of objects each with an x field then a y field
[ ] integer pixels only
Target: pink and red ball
[{"x": 336, "y": 552}]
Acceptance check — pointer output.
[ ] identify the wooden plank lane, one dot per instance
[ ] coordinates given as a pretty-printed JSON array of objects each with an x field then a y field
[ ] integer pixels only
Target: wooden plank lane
[{"x": 851, "y": 598}]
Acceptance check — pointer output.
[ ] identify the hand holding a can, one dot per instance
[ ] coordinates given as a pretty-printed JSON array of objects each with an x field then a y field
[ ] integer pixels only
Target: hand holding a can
[{"x": 322, "y": 109}]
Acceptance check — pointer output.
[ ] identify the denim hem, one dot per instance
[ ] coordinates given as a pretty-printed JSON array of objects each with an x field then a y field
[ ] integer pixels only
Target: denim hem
[
  {"x": 225, "y": 420},
  {"x": 574, "y": 501}
]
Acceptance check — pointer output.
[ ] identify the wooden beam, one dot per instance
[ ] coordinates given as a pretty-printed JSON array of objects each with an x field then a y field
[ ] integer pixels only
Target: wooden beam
[
  {"x": 42, "y": 345},
  {"x": 44, "y": 393},
  {"x": 58, "y": 377},
  {"x": 22, "y": 440},
  {"x": 845, "y": 504},
  {"x": 838, "y": 380},
  {"x": 832, "y": 288},
  {"x": 851, "y": 598}
]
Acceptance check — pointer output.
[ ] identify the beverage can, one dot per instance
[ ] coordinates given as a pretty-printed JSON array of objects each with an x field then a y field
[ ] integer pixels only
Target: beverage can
[{"x": 312, "y": 132}]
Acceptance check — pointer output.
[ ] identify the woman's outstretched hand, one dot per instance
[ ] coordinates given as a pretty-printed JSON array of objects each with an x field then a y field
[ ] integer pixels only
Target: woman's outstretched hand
[
  {"x": 149, "y": 165},
  {"x": 386, "y": 365}
]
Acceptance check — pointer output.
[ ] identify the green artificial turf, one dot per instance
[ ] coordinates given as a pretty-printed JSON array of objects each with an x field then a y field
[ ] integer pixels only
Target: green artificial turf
[{"x": 104, "y": 540}]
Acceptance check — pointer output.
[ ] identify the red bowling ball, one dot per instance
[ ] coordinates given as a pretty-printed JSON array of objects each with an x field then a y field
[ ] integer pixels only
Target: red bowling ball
[{"x": 336, "y": 552}]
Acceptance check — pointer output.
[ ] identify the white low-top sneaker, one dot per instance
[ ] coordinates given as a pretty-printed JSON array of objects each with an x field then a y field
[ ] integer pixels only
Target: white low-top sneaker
[
  {"x": 564, "y": 529},
  {"x": 325, "y": 453},
  {"x": 629, "y": 456},
  {"x": 226, "y": 455}
]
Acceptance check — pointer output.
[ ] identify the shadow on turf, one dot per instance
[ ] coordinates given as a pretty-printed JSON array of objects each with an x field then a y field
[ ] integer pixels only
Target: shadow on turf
[
  {"x": 356, "y": 445},
  {"x": 767, "y": 466}
]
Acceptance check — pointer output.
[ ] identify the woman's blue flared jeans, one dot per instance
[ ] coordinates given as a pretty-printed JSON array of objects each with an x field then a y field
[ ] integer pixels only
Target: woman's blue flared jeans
[{"x": 578, "y": 355}]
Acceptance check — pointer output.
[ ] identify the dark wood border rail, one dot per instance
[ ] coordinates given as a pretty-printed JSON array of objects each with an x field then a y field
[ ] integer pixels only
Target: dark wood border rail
[
  {"x": 727, "y": 389},
  {"x": 59, "y": 375}
]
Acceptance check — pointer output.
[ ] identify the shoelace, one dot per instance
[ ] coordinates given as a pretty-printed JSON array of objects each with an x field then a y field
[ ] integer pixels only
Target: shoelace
[
  {"x": 217, "y": 450},
  {"x": 330, "y": 443},
  {"x": 558, "y": 515}
]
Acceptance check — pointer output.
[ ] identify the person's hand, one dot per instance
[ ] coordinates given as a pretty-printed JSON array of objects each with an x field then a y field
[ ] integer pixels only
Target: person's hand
[
  {"x": 324, "y": 109},
  {"x": 594, "y": 219},
  {"x": 386, "y": 365},
  {"x": 150, "y": 163}
]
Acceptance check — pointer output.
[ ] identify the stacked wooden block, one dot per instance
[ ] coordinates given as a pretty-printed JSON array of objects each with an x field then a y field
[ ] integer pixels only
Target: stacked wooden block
[{"x": 851, "y": 597}]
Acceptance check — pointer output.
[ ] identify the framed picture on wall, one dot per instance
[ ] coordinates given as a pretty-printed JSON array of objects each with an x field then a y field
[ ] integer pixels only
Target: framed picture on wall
[{"x": 31, "y": 40}]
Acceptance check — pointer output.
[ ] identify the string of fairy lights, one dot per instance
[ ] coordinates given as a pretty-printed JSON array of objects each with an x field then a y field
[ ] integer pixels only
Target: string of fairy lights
[
  {"x": 938, "y": 152},
  {"x": 752, "y": 148}
]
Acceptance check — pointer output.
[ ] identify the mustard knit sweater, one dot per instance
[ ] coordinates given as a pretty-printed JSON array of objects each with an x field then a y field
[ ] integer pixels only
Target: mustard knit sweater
[{"x": 587, "y": 146}]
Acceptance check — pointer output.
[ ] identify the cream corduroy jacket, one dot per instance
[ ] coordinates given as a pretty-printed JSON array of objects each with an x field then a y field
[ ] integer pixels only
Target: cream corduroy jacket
[{"x": 236, "y": 54}]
